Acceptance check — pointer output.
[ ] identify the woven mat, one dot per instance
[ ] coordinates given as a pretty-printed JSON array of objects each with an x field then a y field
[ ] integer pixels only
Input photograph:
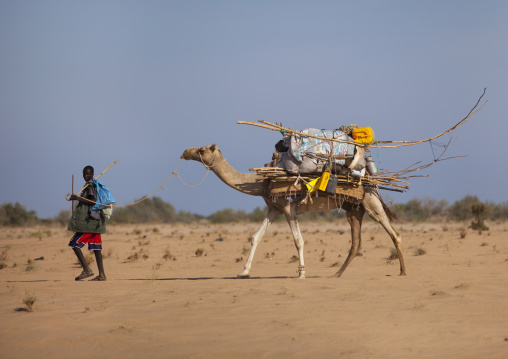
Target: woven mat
[{"x": 279, "y": 189}]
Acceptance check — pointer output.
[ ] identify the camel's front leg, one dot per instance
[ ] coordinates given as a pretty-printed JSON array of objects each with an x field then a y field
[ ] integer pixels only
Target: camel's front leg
[
  {"x": 272, "y": 214},
  {"x": 354, "y": 217},
  {"x": 290, "y": 212}
]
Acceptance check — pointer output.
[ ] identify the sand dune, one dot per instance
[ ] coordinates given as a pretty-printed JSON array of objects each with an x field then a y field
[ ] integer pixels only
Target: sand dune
[{"x": 172, "y": 292}]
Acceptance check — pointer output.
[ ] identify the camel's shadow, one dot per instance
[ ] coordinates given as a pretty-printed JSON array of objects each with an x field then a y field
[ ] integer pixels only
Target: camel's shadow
[{"x": 212, "y": 278}]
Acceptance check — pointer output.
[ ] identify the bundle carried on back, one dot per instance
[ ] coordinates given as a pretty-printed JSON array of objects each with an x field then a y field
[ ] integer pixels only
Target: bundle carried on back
[
  {"x": 319, "y": 163},
  {"x": 314, "y": 150}
]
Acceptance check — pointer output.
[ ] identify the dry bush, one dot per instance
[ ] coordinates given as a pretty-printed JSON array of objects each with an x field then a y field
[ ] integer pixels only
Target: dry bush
[
  {"x": 133, "y": 257},
  {"x": 393, "y": 254},
  {"x": 3, "y": 254},
  {"x": 463, "y": 233},
  {"x": 293, "y": 259},
  {"x": 29, "y": 301},
  {"x": 419, "y": 251},
  {"x": 3, "y": 265},
  {"x": 167, "y": 255},
  {"x": 199, "y": 252},
  {"x": 30, "y": 265},
  {"x": 138, "y": 255}
]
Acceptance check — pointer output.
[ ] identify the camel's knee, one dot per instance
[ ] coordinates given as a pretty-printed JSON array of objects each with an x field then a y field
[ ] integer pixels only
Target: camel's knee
[
  {"x": 254, "y": 241},
  {"x": 299, "y": 243}
]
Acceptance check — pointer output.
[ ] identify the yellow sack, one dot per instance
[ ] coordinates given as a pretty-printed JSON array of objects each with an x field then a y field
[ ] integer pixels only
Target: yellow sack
[{"x": 363, "y": 135}]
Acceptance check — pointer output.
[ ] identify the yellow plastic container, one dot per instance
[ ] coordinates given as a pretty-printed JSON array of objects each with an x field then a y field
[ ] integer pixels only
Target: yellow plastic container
[
  {"x": 319, "y": 183},
  {"x": 323, "y": 181},
  {"x": 363, "y": 135}
]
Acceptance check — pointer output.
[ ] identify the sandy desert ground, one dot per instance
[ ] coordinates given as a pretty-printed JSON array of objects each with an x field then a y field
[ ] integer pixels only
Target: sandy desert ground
[{"x": 172, "y": 292}]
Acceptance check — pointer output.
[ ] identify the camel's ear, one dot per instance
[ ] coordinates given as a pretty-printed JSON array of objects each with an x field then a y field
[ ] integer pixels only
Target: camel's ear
[{"x": 213, "y": 147}]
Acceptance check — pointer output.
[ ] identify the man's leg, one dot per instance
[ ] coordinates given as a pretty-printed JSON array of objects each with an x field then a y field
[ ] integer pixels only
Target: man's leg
[
  {"x": 100, "y": 266},
  {"x": 87, "y": 272}
]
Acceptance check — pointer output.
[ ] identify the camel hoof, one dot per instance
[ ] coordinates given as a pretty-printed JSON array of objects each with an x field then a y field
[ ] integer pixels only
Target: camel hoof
[{"x": 243, "y": 276}]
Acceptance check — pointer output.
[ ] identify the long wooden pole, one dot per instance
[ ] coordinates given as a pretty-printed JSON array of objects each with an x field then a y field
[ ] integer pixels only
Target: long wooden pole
[
  {"x": 72, "y": 190},
  {"x": 276, "y": 127},
  {"x": 100, "y": 174}
]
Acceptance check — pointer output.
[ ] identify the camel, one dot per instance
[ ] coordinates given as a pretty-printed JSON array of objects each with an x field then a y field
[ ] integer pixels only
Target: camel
[{"x": 250, "y": 183}]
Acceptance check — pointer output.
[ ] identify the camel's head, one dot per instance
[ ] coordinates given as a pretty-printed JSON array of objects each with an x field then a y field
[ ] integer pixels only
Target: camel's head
[{"x": 206, "y": 154}]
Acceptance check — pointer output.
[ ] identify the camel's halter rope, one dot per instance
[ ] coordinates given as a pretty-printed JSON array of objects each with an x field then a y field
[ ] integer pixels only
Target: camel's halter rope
[{"x": 174, "y": 173}]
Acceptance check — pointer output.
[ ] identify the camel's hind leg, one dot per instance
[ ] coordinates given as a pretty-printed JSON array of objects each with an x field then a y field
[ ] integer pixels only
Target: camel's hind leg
[
  {"x": 376, "y": 210},
  {"x": 354, "y": 217},
  {"x": 396, "y": 239},
  {"x": 272, "y": 214}
]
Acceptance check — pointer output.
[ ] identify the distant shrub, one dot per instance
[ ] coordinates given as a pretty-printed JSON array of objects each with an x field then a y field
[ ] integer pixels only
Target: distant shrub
[
  {"x": 479, "y": 211},
  {"x": 228, "y": 215},
  {"x": 155, "y": 210},
  {"x": 461, "y": 210},
  {"x": 63, "y": 217},
  {"x": 16, "y": 215}
]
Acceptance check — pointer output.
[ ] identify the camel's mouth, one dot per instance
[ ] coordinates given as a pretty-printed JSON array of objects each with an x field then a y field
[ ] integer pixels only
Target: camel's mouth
[{"x": 187, "y": 154}]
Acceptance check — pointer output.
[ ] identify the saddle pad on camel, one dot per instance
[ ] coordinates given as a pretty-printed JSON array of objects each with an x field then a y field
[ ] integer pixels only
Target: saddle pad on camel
[{"x": 287, "y": 188}]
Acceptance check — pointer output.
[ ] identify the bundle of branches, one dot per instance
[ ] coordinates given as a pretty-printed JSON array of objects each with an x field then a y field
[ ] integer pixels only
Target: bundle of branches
[{"x": 395, "y": 181}]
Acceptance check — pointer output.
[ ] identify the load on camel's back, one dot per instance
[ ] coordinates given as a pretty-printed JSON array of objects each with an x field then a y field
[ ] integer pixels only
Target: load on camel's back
[{"x": 314, "y": 151}]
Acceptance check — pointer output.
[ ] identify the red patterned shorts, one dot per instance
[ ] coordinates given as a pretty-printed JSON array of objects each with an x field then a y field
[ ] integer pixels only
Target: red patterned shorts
[{"x": 93, "y": 239}]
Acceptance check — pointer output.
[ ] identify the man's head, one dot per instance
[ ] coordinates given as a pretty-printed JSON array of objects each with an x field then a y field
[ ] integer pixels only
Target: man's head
[{"x": 88, "y": 173}]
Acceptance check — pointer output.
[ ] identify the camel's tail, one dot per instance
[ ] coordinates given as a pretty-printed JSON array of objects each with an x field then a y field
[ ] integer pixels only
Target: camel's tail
[{"x": 391, "y": 216}]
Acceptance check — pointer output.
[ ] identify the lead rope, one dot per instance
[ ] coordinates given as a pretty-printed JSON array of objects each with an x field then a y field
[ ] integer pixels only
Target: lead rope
[{"x": 175, "y": 173}]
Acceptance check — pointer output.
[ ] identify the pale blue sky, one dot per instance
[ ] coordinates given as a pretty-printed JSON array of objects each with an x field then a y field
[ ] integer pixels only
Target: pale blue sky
[{"x": 86, "y": 82}]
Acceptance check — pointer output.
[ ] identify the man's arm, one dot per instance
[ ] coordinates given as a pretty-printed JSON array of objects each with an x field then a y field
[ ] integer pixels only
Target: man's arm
[{"x": 81, "y": 199}]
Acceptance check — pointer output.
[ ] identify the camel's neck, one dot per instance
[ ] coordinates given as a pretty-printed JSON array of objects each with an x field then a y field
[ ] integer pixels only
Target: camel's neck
[{"x": 243, "y": 182}]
